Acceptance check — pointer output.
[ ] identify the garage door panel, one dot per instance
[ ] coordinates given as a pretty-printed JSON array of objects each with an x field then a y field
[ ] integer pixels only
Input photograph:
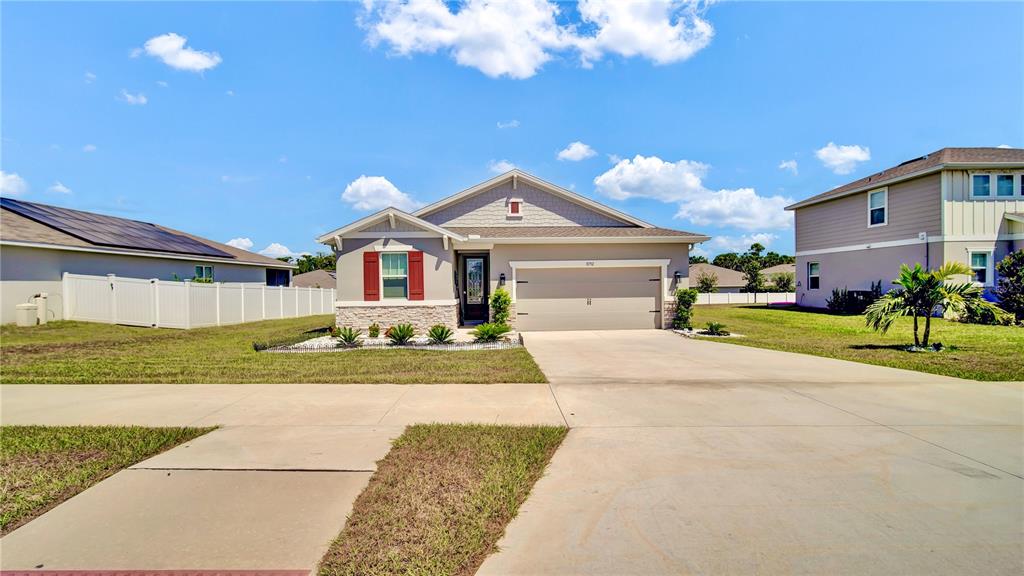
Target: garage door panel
[{"x": 587, "y": 299}]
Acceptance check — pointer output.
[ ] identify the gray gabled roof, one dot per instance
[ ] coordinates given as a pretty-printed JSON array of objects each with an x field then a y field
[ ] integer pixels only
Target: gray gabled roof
[{"x": 944, "y": 158}]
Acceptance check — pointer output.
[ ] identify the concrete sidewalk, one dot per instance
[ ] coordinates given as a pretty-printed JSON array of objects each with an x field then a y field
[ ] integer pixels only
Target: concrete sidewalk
[{"x": 269, "y": 489}]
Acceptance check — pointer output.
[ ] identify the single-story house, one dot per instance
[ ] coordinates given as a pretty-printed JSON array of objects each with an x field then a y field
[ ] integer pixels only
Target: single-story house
[
  {"x": 729, "y": 280},
  {"x": 39, "y": 243},
  {"x": 568, "y": 262},
  {"x": 315, "y": 279},
  {"x": 771, "y": 271}
]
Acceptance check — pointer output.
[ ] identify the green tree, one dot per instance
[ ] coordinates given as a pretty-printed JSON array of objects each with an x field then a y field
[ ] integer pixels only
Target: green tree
[
  {"x": 318, "y": 261},
  {"x": 921, "y": 293},
  {"x": 730, "y": 260},
  {"x": 784, "y": 281},
  {"x": 698, "y": 260},
  {"x": 753, "y": 280},
  {"x": 774, "y": 259},
  {"x": 1010, "y": 288},
  {"x": 707, "y": 282}
]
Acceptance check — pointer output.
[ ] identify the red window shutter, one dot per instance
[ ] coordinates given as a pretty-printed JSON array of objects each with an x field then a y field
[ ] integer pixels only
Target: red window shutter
[
  {"x": 514, "y": 207},
  {"x": 371, "y": 276},
  {"x": 415, "y": 275}
]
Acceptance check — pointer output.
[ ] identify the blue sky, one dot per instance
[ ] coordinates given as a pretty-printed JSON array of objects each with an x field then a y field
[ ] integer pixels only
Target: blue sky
[{"x": 257, "y": 120}]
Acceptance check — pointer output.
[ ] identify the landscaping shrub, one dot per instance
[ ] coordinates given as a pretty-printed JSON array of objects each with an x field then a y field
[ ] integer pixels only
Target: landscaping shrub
[
  {"x": 707, "y": 282},
  {"x": 373, "y": 330},
  {"x": 349, "y": 337},
  {"x": 1010, "y": 288},
  {"x": 401, "y": 334},
  {"x": 685, "y": 297},
  {"x": 501, "y": 301},
  {"x": 715, "y": 329},
  {"x": 844, "y": 301},
  {"x": 440, "y": 334},
  {"x": 490, "y": 332}
]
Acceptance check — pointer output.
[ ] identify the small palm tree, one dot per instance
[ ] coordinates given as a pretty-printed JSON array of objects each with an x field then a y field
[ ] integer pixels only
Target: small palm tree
[{"x": 923, "y": 292}]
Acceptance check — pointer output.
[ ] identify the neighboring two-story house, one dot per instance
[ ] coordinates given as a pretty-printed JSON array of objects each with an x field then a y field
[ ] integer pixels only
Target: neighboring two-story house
[
  {"x": 956, "y": 204},
  {"x": 568, "y": 262}
]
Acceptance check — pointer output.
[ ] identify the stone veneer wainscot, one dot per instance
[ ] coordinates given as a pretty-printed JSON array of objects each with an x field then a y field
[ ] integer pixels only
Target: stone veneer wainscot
[{"x": 421, "y": 316}]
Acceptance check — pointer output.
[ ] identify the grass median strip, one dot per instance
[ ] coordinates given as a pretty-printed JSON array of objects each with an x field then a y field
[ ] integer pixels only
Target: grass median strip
[
  {"x": 972, "y": 350},
  {"x": 42, "y": 466},
  {"x": 441, "y": 498},
  {"x": 91, "y": 353}
]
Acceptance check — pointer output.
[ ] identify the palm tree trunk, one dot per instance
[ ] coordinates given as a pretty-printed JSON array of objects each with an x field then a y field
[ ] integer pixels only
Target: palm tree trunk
[
  {"x": 917, "y": 342},
  {"x": 927, "y": 329}
]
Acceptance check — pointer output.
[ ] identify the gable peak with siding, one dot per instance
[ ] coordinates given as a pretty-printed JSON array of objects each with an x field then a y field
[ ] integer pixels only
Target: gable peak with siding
[{"x": 542, "y": 204}]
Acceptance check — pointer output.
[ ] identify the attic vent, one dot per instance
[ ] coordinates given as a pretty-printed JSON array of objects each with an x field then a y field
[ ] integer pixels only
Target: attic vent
[{"x": 911, "y": 161}]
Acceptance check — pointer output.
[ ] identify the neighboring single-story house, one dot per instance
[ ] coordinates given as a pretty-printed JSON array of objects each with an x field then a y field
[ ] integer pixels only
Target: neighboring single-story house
[
  {"x": 315, "y": 279},
  {"x": 568, "y": 262},
  {"x": 954, "y": 205},
  {"x": 771, "y": 271},
  {"x": 729, "y": 280},
  {"x": 39, "y": 243}
]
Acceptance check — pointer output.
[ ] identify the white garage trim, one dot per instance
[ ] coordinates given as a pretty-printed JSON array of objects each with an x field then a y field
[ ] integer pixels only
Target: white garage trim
[{"x": 661, "y": 263}]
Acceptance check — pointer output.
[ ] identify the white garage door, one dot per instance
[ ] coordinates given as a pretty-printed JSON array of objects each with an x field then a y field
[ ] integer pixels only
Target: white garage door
[{"x": 587, "y": 298}]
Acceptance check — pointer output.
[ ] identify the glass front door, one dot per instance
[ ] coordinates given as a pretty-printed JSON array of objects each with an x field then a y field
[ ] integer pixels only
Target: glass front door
[{"x": 474, "y": 289}]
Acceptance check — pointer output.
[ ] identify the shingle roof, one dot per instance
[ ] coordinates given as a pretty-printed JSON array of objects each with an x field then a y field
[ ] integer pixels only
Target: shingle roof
[
  {"x": 727, "y": 277},
  {"x": 924, "y": 164},
  {"x": 18, "y": 228},
  {"x": 779, "y": 268},
  {"x": 573, "y": 232},
  {"x": 315, "y": 279}
]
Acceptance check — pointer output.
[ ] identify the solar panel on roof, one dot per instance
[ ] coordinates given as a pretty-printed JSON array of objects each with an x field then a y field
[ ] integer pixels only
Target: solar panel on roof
[{"x": 111, "y": 231}]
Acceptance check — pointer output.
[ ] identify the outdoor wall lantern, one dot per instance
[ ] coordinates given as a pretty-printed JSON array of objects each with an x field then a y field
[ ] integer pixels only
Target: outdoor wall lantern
[
  {"x": 501, "y": 279},
  {"x": 677, "y": 275}
]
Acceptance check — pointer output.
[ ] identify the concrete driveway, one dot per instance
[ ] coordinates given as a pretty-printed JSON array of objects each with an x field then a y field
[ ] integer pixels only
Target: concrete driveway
[{"x": 692, "y": 457}]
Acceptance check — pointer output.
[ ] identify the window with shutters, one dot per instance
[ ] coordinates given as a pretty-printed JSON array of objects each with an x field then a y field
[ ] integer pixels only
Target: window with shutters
[{"x": 395, "y": 274}]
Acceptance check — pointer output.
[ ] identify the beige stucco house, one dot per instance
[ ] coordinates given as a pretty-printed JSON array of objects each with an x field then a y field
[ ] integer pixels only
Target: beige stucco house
[
  {"x": 568, "y": 262},
  {"x": 956, "y": 204},
  {"x": 39, "y": 243}
]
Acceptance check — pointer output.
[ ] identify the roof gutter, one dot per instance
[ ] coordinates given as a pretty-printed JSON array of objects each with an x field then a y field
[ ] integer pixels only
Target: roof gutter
[{"x": 164, "y": 255}]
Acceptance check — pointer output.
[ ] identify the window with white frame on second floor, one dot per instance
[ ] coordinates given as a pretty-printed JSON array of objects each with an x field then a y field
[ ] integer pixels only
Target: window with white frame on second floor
[
  {"x": 878, "y": 207},
  {"x": 995, "y": 186}
]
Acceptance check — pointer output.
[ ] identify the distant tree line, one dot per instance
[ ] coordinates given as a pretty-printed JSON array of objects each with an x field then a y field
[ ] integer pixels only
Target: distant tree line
[
  {"x": 750, "y": 263},
  {"x": 310, "y": 262}
]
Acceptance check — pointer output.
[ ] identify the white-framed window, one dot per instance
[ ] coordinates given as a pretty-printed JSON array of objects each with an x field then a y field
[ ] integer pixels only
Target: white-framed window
[
  {"x": 515, "y": 207},
  {"x": 394, "y": 274},
  {"x": 204, "y": 273},
  {"x": 813, "y": 275},
  {"x": 878, "y": 207},
  {"x": 996, "y": 186},
  {"x": 980, "y": 262}
]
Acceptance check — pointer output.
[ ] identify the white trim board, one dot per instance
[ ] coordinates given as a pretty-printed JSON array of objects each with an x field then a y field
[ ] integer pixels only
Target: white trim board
[
  {"x": 909, "y": 242},
  {"x": 163, "y": 255},
  {"x": 390, "y": 214}
]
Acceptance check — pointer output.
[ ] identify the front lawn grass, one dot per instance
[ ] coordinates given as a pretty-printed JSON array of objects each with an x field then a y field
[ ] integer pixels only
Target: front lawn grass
[
  {"x": 42, "y": 466},
  {"x": 973, "y": 351},
  {"x": 440, "y": 500},
  {"x": 91, "y": 353}
]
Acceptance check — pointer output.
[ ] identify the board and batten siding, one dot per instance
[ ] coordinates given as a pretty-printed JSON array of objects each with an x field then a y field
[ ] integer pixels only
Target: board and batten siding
[
  {"x": 983, "y": 217},
  {"x": 539, "y": 208},
  {"x": 914, "y": 206}
]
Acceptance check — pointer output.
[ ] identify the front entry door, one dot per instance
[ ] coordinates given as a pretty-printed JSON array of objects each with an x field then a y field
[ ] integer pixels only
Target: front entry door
[{"x": 475, "y": 288}]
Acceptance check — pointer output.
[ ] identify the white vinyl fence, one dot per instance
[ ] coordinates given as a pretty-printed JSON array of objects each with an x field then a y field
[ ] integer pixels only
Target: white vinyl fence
[
  {"x": 746, "y": 298},
  {"x": 168, "y": 304}
]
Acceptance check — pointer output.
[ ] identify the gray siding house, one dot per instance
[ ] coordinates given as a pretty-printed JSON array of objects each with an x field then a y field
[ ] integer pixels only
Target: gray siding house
[
  {"x": 568, "y": 262},
  {"x": 39, "y": 243},
  {"x": 956, "y": 204}
]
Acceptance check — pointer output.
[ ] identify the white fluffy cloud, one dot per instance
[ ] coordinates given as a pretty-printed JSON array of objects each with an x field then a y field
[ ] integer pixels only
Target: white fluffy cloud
[
  {"x": 377, "y": 193},
  {"x": 1004, "y": 146},
  {"x": 843, "y": 159},
  {"x": 89, "y": 148},
  {"x": 275, "y": 250},
  {"x": 241, "y": 243},
  {"x": 719, "y": 244},
  {"x": 576, "y": 151},
  {"x": 133, "y": 99},
  {"x": 12, "y": 184},
  {"x": 171, "y": 49},
  {"x": 742, "y": 208},
  {"x": 59, "y": 188},
  {"x": 509, "y": 124},
  {"x": 515, "y": 39},
  {"x": 500, "y": 166},
  {"x": 682, "y": 183},
  {"x": 789, "y": 165}
]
